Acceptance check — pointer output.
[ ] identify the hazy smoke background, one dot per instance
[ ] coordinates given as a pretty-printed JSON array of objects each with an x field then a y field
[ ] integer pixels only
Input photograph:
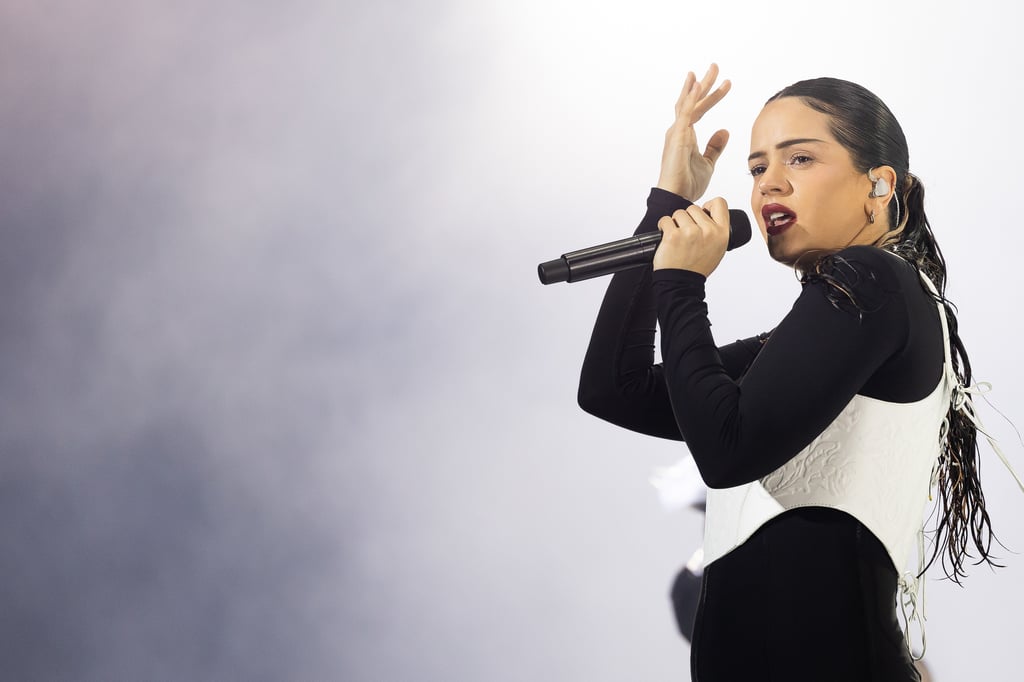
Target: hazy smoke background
[{"x": 280, "y": 395}]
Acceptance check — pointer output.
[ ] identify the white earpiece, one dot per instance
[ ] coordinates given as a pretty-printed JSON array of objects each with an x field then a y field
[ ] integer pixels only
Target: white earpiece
[{"x": 881, "y": 187}]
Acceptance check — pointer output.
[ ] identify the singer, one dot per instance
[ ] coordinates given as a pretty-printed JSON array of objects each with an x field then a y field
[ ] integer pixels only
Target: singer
[{"x": 819, "y": 440}]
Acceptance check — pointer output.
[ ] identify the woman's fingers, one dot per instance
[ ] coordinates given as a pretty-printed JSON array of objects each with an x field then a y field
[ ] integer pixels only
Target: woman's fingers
[
  {"x": 687, "y": 86},
  {"x": 710, "y": 100},
  {"x": 695, "y": 238},
  {"x": 702, "y": 220},
  {"x": 710, "y": 77},
  {"x": 687, "y": 226},
  {"x": 718, "y": 210},
  {"x": 696, "y": 98},
  {"x": 688, "y": 101},
  {"x": 666, "y": 223}
]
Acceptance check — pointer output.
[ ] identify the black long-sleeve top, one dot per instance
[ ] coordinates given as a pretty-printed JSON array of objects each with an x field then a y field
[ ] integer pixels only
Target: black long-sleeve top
[{"x": 747, "y": 407}]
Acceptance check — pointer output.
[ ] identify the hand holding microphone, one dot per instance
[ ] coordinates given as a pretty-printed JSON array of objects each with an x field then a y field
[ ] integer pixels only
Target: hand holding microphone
[
  {"x": 639, "y": 250},
  {"x": 695, "y": 239}
]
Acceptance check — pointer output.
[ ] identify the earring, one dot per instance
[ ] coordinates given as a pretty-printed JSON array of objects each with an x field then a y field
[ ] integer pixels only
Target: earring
[{"x": 871, "y": 218}]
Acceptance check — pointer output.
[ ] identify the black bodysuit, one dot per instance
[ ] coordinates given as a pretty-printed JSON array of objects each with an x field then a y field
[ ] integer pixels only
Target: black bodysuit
[{"x": 811, "y": 595}]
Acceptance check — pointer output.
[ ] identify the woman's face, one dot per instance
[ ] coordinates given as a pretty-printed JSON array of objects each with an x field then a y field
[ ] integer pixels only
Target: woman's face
[{"x": 807, "y": 195}]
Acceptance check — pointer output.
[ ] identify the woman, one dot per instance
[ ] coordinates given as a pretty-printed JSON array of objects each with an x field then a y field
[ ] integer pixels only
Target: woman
[{"x": 819, "y": 440}]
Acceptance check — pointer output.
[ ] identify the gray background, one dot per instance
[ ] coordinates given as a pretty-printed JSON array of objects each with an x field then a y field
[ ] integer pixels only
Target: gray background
[{"x": 280, "y": 394}]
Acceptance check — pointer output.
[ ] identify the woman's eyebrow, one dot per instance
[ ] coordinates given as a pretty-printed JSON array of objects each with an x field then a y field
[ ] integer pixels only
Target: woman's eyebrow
[{"x": 784, "y": 144}]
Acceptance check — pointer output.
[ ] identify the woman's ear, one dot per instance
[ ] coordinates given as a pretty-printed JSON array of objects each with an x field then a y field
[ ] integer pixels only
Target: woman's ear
[{"x": 883, "y": 181}]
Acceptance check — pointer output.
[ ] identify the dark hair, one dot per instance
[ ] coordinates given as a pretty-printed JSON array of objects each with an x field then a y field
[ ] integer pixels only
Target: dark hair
[{"x": 865, "y": 126}]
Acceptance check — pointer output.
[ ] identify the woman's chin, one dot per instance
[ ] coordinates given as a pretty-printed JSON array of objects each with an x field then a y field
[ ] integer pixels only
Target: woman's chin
[
  {"x": 779, "y": 252},
  {"x": 793, "y": 254}
]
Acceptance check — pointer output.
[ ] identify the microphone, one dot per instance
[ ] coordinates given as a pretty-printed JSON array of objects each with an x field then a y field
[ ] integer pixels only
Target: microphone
[{"x": 632, "y": 252}]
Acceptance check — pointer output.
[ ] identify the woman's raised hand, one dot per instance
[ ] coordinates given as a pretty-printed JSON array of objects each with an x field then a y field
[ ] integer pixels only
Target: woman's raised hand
[{"x": 684, "y": 169}]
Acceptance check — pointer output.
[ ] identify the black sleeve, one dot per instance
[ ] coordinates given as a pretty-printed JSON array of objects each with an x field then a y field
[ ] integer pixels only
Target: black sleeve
[
  {"x": 822, "y": 353},
  {"x": 620, "y": 382}
]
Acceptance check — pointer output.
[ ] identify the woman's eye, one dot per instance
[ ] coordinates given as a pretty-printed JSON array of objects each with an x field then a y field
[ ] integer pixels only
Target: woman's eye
[
  {"x": 757, "y": 170},
  {"x": 799, "y": 160}
]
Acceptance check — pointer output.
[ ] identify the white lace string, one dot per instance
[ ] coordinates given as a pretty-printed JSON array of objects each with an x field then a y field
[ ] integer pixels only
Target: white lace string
[
  {"x": 911, "y": 588},
  {"x": 962, "y": 401}
]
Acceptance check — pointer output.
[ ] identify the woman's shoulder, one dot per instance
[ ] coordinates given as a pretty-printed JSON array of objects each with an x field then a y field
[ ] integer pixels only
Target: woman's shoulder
[
  {"x": 862, "y": 278},
  {"x": 874, "y": 259},
  {"x": 869, "y": 266}
]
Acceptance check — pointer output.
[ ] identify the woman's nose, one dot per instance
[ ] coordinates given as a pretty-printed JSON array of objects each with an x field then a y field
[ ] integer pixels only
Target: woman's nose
[{"x": 773, "y": 181}]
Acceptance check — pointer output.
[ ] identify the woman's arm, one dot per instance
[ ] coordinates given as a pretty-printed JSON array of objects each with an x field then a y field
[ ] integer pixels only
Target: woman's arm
[
  {"x": 816, "y": 360},
  {"x": 620, "y": 382}
]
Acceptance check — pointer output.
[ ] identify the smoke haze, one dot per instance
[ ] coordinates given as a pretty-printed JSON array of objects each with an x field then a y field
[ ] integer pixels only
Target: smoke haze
[{"x": 280, "y": 395}]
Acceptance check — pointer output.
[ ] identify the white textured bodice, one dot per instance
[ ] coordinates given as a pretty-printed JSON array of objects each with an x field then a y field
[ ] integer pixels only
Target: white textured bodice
[{"x": 874, "y": 462}]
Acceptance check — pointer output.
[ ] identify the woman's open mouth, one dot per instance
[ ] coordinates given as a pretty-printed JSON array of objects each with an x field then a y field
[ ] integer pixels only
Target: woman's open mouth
[{"x": 777, "y": 218}]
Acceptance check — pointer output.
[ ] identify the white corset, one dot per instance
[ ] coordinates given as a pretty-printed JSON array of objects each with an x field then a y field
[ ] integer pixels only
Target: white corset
[{"x": 874, "y": 462}]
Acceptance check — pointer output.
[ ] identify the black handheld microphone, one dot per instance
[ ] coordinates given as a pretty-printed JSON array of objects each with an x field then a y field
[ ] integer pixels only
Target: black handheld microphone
[{"x": 624, "y": 254}]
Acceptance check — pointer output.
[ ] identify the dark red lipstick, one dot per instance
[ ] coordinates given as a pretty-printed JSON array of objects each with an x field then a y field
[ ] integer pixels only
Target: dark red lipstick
[{"x": 777, "y": 218}]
